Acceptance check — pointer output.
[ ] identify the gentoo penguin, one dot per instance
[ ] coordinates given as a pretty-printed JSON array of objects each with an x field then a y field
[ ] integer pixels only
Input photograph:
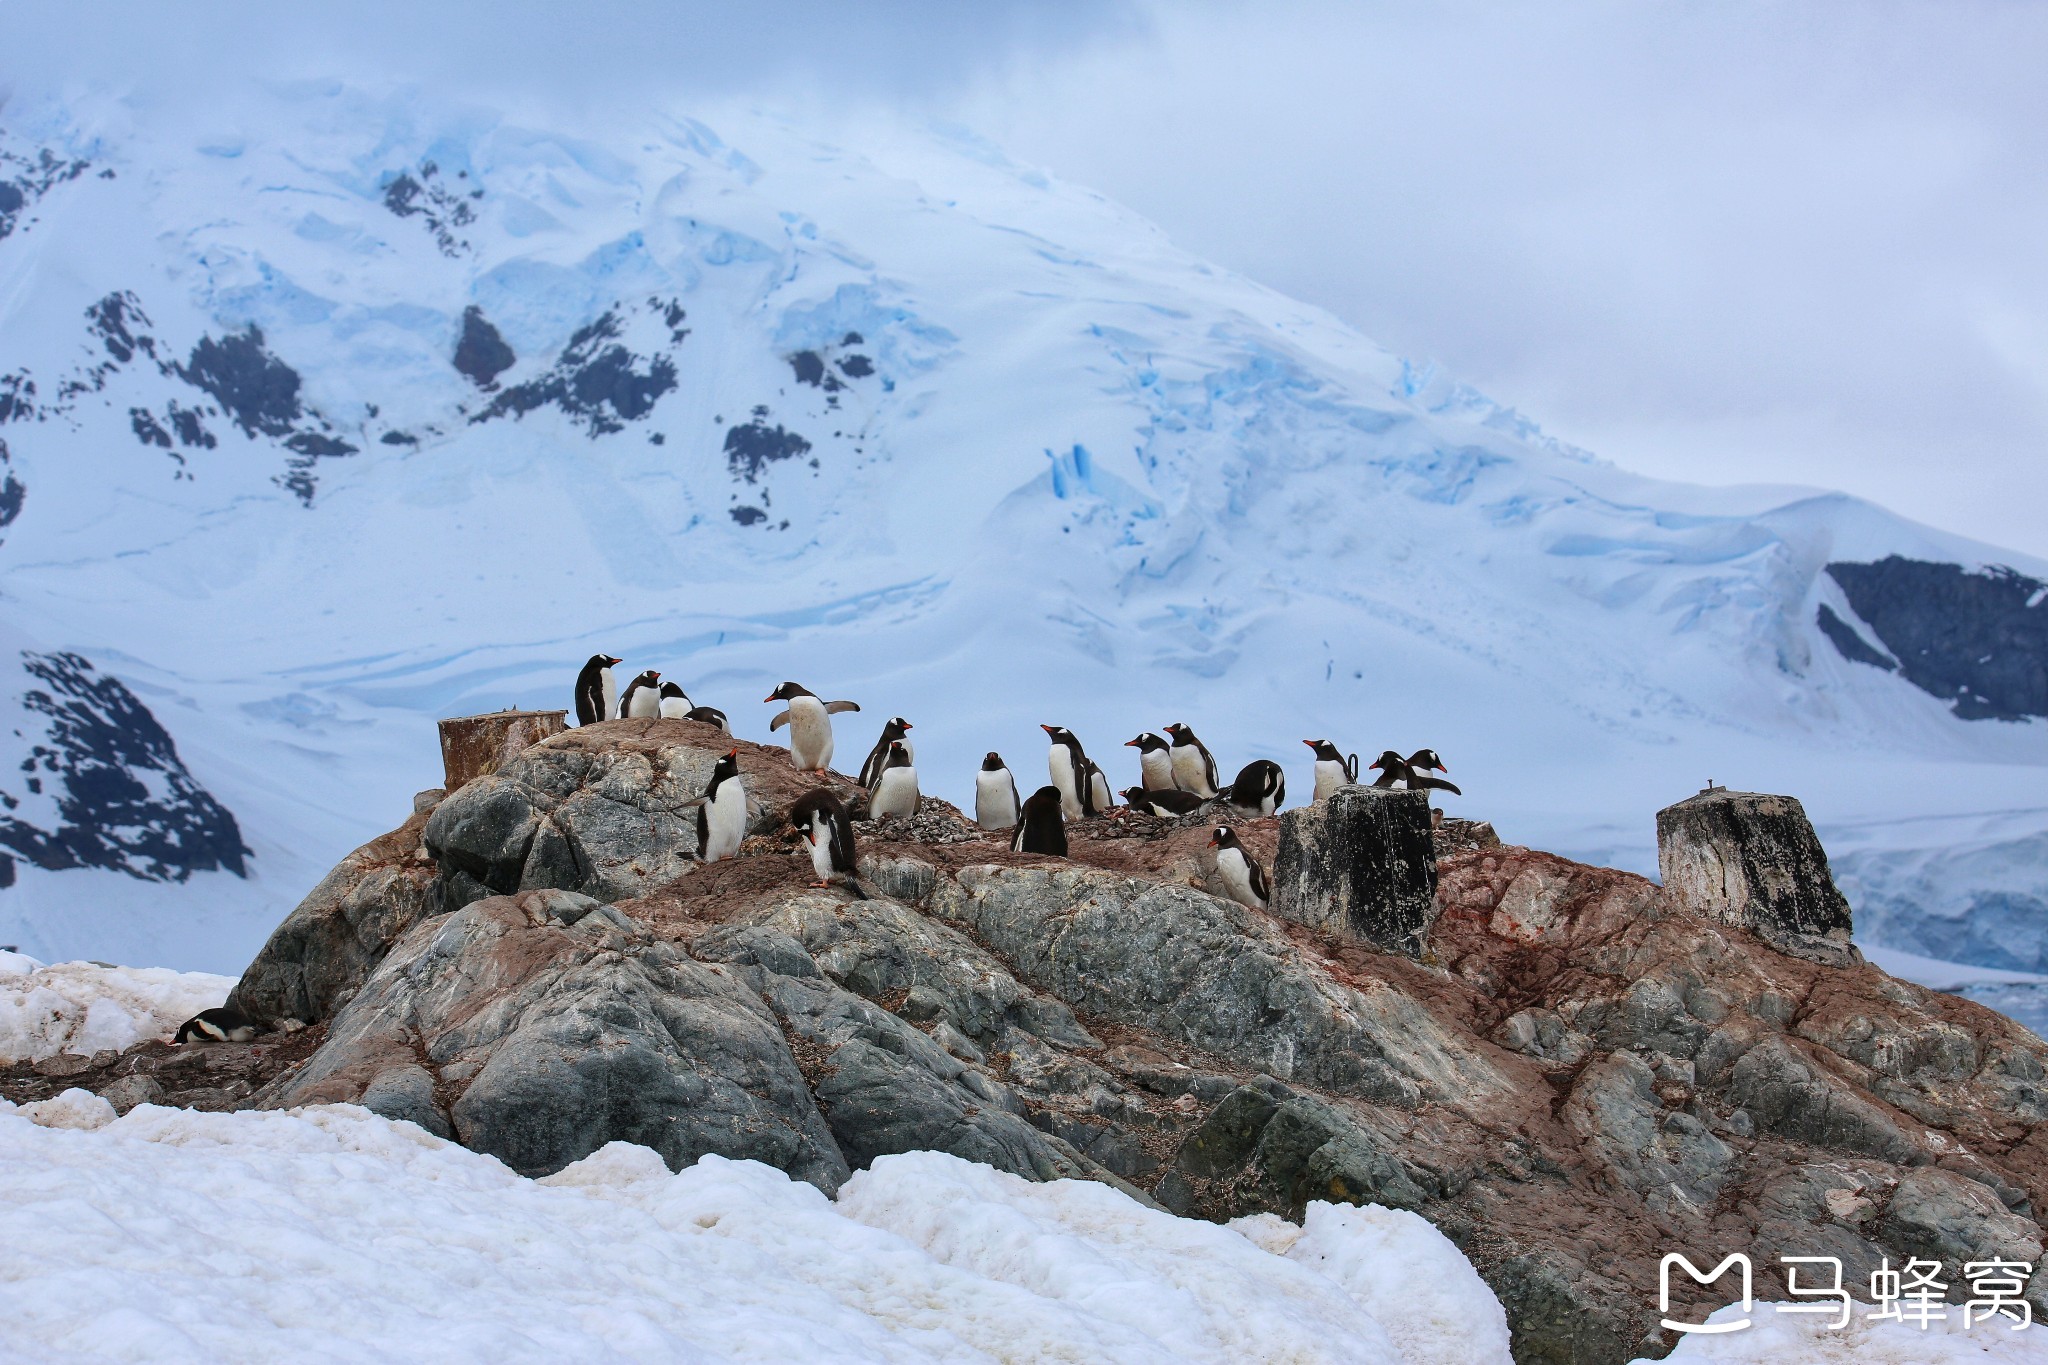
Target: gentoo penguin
[
  {"x": 1244, "y": 881},
  {"x": 1168, "y": 803},
  {"x": 826, "y": 827},
  {"x": 810, "y": 725},
  {"x": 995, "y": 794},
  {"x": 221, "y": 1025},
  {"x": 722, "y": 816},
  {"x": 1064, "y": 761},
  {"x": 1194, "y": 768},
  {"x": 895, "y": 789},
  {"x": 1042, "y": 825},
  {"x": 597, "y": 692},
  {"x": 1155, "y": 761},
  {"x": 1260, "y": 789},
  {"x": 1095, "y": 797},
  {"x": 878, "y": 757},
  {"x": 675, "y": 704},
  {"x": 643, "y": 697},
  {"x": 710, "y": 715},
  {"x": 1425, "y": 761},
  {"x": 1395, "y": 769},
  {"x": 1333, "y": 769}
]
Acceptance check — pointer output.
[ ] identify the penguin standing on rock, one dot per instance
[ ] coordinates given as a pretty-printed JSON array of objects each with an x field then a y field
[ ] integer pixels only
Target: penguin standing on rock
[
  {"x": 895, "y": 790},
  {"x": 1260, "y": 789},
  {"x": 1155, "y": 762},
  {"x": 1194, "y": 767},
  {"x": 1042, "y": 825},
  {"x": 675, "y": 704},
  {"x": 597, "y": 692},
  {"x": 709, "y": 715},
  {"x": 1082, "y": 787},
  {"x": 809, "y": 719},
  {"x": 995, "y": 795},
  {"x": 878, "y": 757},
  {"x": 1395, "y": 769},
  {"x": 643, "y": 697},
  {"x": 722, "y": 811},
  {"x": 221, "y": 1025},
  {"x": 1333, "y": 769},
  {"x": 826, "y": 827},
  {"x": 1242, "y": 877},
  {"x": 1168, "y": 803}
]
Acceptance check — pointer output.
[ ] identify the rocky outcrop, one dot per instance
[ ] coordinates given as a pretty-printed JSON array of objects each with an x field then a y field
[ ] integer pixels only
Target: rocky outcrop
[
  {"x": 1581, "y": 1072},
  {"x": 1360, "y": 865},
  {"x": 1753, "y": 861}
]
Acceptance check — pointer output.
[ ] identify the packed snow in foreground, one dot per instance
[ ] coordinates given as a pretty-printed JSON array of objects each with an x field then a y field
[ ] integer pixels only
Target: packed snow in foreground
[{"x": 85, "y": 1007}]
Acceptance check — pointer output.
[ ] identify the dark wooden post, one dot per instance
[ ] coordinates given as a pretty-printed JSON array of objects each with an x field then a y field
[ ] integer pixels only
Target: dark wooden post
[{"x": 474, "y": 745}]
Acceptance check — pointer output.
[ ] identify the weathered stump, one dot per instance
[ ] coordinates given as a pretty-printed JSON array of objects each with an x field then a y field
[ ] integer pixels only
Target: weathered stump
[
  {"x": 1753, "y": 861},
  {"x": 474, "y": 745},
  {"x": 1360, "y": 865}
]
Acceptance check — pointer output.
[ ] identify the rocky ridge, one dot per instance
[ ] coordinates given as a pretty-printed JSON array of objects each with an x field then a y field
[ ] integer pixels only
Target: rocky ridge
[{"x": 1574, "y": 1074}]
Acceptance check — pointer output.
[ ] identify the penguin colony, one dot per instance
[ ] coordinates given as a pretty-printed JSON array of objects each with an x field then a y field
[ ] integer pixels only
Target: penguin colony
[{"x": 1178, "y": 777}]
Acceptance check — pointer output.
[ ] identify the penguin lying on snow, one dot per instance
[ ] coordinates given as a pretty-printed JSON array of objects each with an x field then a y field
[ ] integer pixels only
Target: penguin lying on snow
[
  {"x": 1041, "y": 825},
  {"x": 221, "y": 1025},
  {"x": 1168, "y": 803},
  {"x": 878, "y": 757},
  {"x": 1194, "y": 767},
  {"x": 895, "y": 790},
  {"x": 1242, "y": 877},
  {"x": 826, "y": 827},
  {"x": 643, "y": 697},
  {"x": 995, "y": 794},
  {"x": 1333, "y": 769},
  {"x": 1155, "y": 761},
  {"x": 810, "y": 725},
  {"x": 675, "y": 704},
  {"x": 722, "y": 811},
  {"x": 1260, "y": 789},
  {"x": 1395, "y": 769},
  {"x": 1083, "y": 789},
  {"x": 597, "y": 692}
]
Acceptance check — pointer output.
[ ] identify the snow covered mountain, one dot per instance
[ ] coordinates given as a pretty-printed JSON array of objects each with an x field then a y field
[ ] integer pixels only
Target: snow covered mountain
[{"x": 343, "y": 410}]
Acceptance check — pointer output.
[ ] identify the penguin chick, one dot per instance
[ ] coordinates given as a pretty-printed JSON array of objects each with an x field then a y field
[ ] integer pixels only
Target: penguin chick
[
  {"x": 1041, "y": 825},
  {"x": 1155, "y": 761},
  {"x": 1194, "y": 767},
  {"x": 1260, "y": 789},
  {"x": 709, "y": 715},
  {"x": 643, "y": 697},
  {"x": 895, "y": 790},
  {"x": 1333, "y": 769},
  {"x": 995, "y": 794},
  {"x": 1066, "y": 762},
  {"x": 810, "y": 725},
  {"x": 878, "y": 757},
  {"x": 722, "y": 815},
  {"x": 674, "y": 704},
  {"x": 1168, "y": 803},
  {"x": 826, "y": 827},
  {"x": 597, "y": 692},
  {"x": 221, "y": 1025},
  {"x": 1242, "y": 877}
]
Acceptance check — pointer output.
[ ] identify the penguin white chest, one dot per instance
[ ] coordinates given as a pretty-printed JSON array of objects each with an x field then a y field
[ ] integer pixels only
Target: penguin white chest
[
  {"x": 1236, "y": 877},
  {"x": 1190, "y": 773},
  {"x": 643, "y": 703},
  {"x": 725, "y": 822},
  {"x": 995, "y": 799},
  {"x": 895, "y": 793},
  {"x": 810, "y": 734},
  {"x": 1155, "y": 766},
  {"x": 674, "y": 708},
  {"x": 1060, "y": 764},
  {"x": 609, "y": 686},
  {"x": 820, "y": 841},
  {"x": 1330, "y": 775}
]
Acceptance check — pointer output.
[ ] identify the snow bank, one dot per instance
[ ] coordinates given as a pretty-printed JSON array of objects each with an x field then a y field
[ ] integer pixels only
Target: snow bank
[
  {"x": 1775, "y": 1338},
  {"x": 332, "y": 1234},
  {"x": 85, "y": 1007}
]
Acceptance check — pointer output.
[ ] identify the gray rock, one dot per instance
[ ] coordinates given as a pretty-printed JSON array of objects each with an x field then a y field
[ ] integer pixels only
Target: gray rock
[
  {"x": 582, "y": 1029},
  {"x": 1670, "y": 1157},
  {"x": 1790, "y": 1095},
  {"x": 405, "y": 1094},
  {"x": 129, "y": 1091},
  {"x": 1543, "y": 1034},
  {"x": 1753, "y": 861},
  {"x": 1268, "y": 1146},
  {"x": 1952, "y": 1219},
  {"x": 1360, "y": 865}
]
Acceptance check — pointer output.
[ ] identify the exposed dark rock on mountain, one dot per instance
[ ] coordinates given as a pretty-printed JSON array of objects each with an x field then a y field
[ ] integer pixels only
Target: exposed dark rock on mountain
[
  {"x": 11, "y": 490},
  {"x": 597, "y": 380},
  {"x": 481, "y": 354},
  {"x": 1852, "y": 646},
  {"x": 442, "y": 205},
  {"x": 26, "y": 178},
  {"x": 1979, "y": 639},
  {"x": 752, "y": 446},
  {"x": 1581, "y": 1073},
  {"x": 109, "y": 787}
]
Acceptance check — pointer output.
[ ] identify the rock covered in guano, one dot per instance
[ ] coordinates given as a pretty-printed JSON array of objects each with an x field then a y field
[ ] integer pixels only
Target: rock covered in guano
[
  {"x": 1360, "y": 864},
  {"x": 1752, "y": 860}
]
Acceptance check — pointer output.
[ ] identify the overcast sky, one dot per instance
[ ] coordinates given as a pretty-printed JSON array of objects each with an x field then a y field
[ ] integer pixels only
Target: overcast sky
[{"x": 1724, "y": 242}]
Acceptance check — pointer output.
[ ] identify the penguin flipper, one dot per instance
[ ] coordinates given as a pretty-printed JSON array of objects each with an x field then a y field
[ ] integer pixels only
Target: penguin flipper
[
  {"x": 780, "y": 721},
  {"x": 833, "y": 708},
  {"x": 1438, "y": 784}
]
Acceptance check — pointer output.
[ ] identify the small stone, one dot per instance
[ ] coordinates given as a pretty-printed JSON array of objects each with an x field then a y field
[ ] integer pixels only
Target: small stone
[
  {"x": 63, "y": 1064},
  {"x": 130, "y": 1091}
]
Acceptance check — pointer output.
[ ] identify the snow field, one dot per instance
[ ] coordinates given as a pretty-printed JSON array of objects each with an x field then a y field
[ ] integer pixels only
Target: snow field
[
  {"x": 331, "y": 1234},
  {"x": 86, "y": 1007}
]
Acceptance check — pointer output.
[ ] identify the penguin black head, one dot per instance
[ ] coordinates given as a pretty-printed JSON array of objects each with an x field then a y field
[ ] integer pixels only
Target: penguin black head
[
  {"x": 669, "y": 689},
  {"x": 1425, "y": 760},
  {"x": 1133, "y": 796},
  {"x": 1224, "y": 837},
  {"x": 650, "y": 678},
  {"x": 1389, "y": 761},
  {"x": 1060, "y": 734},
  {"x": 993, "y": 763},
  {"x": 1326, "y": 752},
  {"x": 897, "y": 727},
  {"x": 726, "y": 768},
  {"x": 789, "y": 691},
  {"x": 1181, "y": 734},
  {"x": 1146, "y": 743},
  {"x": 899, "y": 757},
  {"x": 603, "y": 661},
  {"x": 1045, "y": 799}
]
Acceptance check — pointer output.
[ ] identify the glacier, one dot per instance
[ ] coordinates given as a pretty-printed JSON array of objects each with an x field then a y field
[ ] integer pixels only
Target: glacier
[{"x": 332, "y": 409}]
